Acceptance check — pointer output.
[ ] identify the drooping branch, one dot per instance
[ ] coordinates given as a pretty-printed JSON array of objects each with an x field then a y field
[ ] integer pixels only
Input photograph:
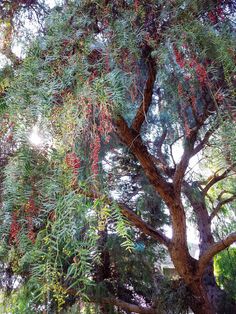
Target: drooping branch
[
  {"x": 219, "y": 206},
  {"x": 133, "y": 218},
  {"x": 147, "y": 97},
  {"x": 213, "y": 250}
]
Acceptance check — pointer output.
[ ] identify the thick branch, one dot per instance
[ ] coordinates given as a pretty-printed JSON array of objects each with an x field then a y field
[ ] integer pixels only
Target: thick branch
[
  {"x": 128, "y": 306},
  {"x": 133, "y": 218},
  {"x": 147, "y": 97},
  {"x": 165, "y": 189},
  {"x": 220, "y": 204},
  {"x": 183, "y": 165},
  {"x": 134, "y": 142},
  {"x": 214, "y": 249},
  {"x": 218, "y": 178},
  {"x": 117, "y": 302},
  {"x": 161, "y": 158},
  {"x": 143, "y": 226}
]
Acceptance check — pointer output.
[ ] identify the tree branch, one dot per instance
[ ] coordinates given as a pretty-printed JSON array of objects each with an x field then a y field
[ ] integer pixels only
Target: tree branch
[
  {"x": 218, "y": 178},
  {"x": 134, "y": 142},
  {"x": 157, "y": 144},
  {"x": 183, "y": 165},
  {"x": 143, "y": 226},
  {"x": 128, "y": 306},
  {"x": 219, "y": 205},
  {"x": 165, "y": 189},
  {"x": 147, "y": 96},
  {"x": 213, "y": 250},
  {"x": 133, "y": 218},
  {"x": 117, "y": 302}
]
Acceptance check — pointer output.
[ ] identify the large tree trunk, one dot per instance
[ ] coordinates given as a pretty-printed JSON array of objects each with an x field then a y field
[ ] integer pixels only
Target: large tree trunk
[
  {"x": 205, "y": 295},
  {"x": 208, "y": 298},
  {"x": 187, "y": 269},
  {"x": 222, "y": 303}
]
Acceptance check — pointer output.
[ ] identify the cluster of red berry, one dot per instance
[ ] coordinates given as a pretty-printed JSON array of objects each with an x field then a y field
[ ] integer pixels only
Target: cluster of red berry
[
  {"x": 107, "y": 61},
  {"x": 95, "y": 147},
  {"x": 136, "y": 5},
  {"x": 93, "y": 75},
  {"x": 14, "y": 229},
  {"x": 31, "y": 211},
  {"x": 87, "y": 105},
  {"x": 105, "y": 124},
  {"x": 179, "y": 57},
  {"x": 216, "y": 14},
  {"x": 192, "y": 63},
  {"x": 201, "y": 73},
  {"x": 73, "y": 162},
  {"x": 180, "y": 90},
  {"x": 186, "y": 126},
  {"x": 193, "y": 101}
]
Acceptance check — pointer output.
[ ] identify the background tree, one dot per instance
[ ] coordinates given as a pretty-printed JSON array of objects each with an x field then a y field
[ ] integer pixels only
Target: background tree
[
  {"x": 112, "y": 88},
  {"x": 224, "y": 264}
]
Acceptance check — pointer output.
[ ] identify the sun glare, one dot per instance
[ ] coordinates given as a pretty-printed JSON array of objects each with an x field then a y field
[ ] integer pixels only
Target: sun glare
[{"x": 35, "y": 138}]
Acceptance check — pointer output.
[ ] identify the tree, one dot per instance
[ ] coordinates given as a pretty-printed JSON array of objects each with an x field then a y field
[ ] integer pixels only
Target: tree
[{"x": 113, "y": 87}]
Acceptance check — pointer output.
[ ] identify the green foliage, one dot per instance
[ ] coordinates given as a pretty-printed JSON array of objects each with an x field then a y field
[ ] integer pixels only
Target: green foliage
[
  {"x": 172, "y": 293},
  {"x": 225, "y": 271}
]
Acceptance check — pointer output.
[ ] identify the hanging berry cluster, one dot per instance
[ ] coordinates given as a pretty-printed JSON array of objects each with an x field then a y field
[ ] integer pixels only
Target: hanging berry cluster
[
  {"x": 103, "y": 128},
  {"x": 191, "y": 68},
  {"x": 216, "y": 14},
  {"x": 200, "y": 71},
  {"x": 73, "y": 162},
  {"x": 95, "y": 147},
  {"x": 97, "y": 127},
  {"x": 178, "y": 57},
  {"x": 14, "y": 229},
  {"x": 189, "y": 108},
  {"x": 136, "y": 5},
  {"x": 31, "y": 212},
  {"x": 191, "y": 63},
  {"x": 105, "y": 124}
]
